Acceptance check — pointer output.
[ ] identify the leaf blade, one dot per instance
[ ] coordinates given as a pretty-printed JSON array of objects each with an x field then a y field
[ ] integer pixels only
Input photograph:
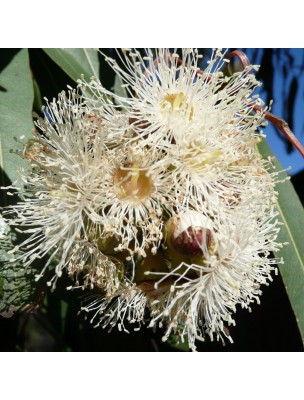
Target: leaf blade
[
  {"x": 76, "y": 62},
  {"x": 18, "y": 288},
  {"x": 16, "y": 100},
  {"x": 291, "y": 214}
]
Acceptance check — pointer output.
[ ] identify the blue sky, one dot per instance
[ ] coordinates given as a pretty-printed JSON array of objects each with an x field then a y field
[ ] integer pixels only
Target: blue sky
[{"x": 281, "y": 86}]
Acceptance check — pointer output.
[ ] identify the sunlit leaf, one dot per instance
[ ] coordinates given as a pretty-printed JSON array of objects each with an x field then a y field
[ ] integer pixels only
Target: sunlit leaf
[
  {"x": 292, "y": 215},
  {"x": 16, "y": 100},
  {"x": 76, "y": 62},
  {"x": 16, "y": 125}
]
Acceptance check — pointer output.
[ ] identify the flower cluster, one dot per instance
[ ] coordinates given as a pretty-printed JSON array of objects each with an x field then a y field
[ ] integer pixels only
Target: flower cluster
[{"x": 158, "y": 203}]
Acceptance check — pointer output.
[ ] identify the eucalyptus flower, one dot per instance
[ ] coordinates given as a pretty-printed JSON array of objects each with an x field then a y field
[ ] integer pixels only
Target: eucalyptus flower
[
  {"x": 159, "y": 205},
  {"x": 131, "y": 196},
  {"x": 126, "y": 305},
  {"x": 59, "y": 197},
  {"x": 170, "y": 95},
  {"x": 221, "y": 226},
  {"x": 225, "y": 263}
]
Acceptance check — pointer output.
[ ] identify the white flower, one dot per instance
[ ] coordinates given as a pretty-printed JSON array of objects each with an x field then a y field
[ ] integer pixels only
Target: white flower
[
  {"x": 170, "y": 95},
  {"x": 201, "y": 120},
  {"x": 131, "y": 196},
  {"x": 160, "y": 204},
  {"x": 206, "y": 292},
  {"x": 59, "y": 198},
  {"x": 220, "y": 219},
  {"x": 126, "y": 305},
  {"x": 92, "y": 269}
]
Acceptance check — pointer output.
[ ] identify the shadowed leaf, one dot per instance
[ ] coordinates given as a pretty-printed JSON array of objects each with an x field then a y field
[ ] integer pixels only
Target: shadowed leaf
[
  {"x": 292, "y": 215},
  {"x": 18, "y": 289},
  {"x": 76, "y": 62}
]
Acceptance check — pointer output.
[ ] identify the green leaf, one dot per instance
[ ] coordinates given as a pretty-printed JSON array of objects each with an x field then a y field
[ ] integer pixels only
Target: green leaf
[
  {"x": 118, "y": 89},
  {"x": 16, "y": 101},
  {"x": 175, "y": 342},
  {"x": 18, "y": 289},
  {"x": 76, "y": 62},
  {"x": 37, "y": 97},
  {"x": 1, "y": 287},
  {"x": 292, "y": 215},
  {"x": 64, "y": 307}
]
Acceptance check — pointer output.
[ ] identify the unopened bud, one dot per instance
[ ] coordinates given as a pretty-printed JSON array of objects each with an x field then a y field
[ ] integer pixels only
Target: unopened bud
[
  {"x": 151, "y": 267},
  {"x": 189, "y": 234},
  {"x": 192, "y": 241}
]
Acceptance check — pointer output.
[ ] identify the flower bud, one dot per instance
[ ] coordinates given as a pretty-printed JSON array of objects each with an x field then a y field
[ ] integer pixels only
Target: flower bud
[
  {"x": 189, "y": 234},
  {"x": 150, "y": 267}
]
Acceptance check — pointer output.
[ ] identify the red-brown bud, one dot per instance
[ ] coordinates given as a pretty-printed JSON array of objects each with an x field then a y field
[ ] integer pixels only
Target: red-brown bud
[
  {"x": 193, "y": 241},
  {"x": 189, "y": 234}
]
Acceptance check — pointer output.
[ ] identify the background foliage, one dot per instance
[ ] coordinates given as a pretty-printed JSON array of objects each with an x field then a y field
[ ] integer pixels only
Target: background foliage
[{"x": 50, "y": 322}]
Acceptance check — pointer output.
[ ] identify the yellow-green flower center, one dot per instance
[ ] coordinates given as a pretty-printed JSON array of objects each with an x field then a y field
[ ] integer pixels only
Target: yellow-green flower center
[
  {"x": 132, "y": 183},
  {"x": 178, "y": 103},
  {"x": 197, "y": 158}
]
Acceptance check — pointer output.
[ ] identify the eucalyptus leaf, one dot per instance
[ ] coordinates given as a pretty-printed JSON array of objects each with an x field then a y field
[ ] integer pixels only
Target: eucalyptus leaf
[
  {"x": 1, "y": 287},
  {"x": 177, "y": 344},
  {"x": 76, "y": 62},
  {"x": 118, "y": 89},
  {"x": 18, "y": 289},
  {"x": 292, "y": 216},
  {"x": 37, "y": 97},
  {"x": 16, "y": 100}
]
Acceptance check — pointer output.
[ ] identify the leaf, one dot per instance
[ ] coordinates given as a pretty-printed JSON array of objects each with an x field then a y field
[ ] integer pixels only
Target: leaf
[
  {"x": 76, "y": 62},
  {"x": 64, "y": 307},
  {"x": 18, "y": 289},
  {"x": 292, "y": 215},
  {"x": 175, "y": 342},
  {"x": 37, "y": 97},
  {"x": 16, "y": 100},
  {"x": 1, "y": 287},
  {"x": 118, "y": 89}
]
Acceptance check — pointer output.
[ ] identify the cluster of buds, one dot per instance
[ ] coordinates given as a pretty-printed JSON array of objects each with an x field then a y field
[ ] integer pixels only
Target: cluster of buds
[{"x": 157, "y": 204}]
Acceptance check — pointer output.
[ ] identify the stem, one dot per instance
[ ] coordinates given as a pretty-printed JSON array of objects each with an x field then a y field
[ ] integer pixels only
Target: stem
[{"x": 278, "y": 122}]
